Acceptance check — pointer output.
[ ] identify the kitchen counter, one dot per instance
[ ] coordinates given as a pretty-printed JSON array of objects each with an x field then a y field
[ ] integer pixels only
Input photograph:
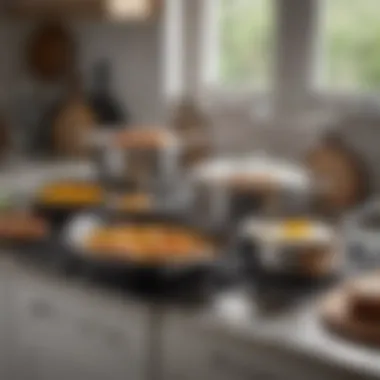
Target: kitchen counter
[
  {"x": 231, "y": 325},
  {"x": 232, "y": 318},
  {"x": 27, "y": 175},
  {"x": 298, "y": 331}
]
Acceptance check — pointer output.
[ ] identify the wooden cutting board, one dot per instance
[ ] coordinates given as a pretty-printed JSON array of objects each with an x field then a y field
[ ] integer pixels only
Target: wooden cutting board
[
  {"x": 50, "y": 52},
  {"x": 340, "y": 174},
  {"x": 334, "y": 311}
]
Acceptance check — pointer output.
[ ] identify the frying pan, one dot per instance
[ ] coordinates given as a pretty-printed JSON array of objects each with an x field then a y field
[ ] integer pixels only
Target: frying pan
[
  {"x": 60, "y": 214},
  {"x": 152, "y": 278},
  {"x": 277, "y": 268}
]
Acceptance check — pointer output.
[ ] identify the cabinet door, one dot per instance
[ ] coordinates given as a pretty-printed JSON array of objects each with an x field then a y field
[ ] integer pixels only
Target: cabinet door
[{"x": 77, "y": 333}]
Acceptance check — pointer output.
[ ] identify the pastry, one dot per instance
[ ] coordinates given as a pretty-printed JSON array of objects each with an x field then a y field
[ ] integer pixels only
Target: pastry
[{"x": 364, "y": 299}]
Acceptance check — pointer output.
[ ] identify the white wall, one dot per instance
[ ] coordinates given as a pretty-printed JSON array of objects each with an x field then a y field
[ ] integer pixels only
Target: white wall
[{"x": 133, "y": 50}]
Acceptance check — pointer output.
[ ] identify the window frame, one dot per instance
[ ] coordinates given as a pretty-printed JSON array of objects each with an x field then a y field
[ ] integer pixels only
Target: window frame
[
  {"x": 285, "y": 78},
  {"x": 211, "y": 53},
  {"x": 320, "y": 90}
]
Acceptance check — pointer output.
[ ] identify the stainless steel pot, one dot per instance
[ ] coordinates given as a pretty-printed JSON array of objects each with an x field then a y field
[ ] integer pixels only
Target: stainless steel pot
[
  {"x": 361, "y": 231},
  {"x": 229, "y": 190},
  {"x": 271, "y": 248},
  {"x": 145, "y": 169}
]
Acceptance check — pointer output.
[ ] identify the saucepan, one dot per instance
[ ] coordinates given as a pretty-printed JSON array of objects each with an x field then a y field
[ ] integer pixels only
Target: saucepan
[
  {"x": 290, "y": 249},
  {"x": 227, "y": 190},
  {"x": 146, "y": 157}
]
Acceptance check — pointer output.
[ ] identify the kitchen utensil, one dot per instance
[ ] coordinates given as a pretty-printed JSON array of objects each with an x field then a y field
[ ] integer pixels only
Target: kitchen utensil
[
  {"x": 303, "y": 248},
  {"x": 58, "y": 201},
  {"x": 237, "y": 188},
  {"x": 73, "y": 123},
  {"x": 336, "y": 316},
  {"x": 362, "y": 235},
  {"x": 340, "y": 175},
  {"x": 55, "y": 202},
  {"x": 51, "y": 52},
  {"x": 146, "y": 158},
  {"x": 108, "y": 110}
]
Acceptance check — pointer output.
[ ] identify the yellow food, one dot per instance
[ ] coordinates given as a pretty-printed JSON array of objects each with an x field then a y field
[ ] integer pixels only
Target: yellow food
[
  {"x": 296, "y": 229},
  {"x": 148, "y": 243},
  {"x": 71, "y": 193}
]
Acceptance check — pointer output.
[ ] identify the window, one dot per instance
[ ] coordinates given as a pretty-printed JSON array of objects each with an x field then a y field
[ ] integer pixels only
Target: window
[
  {"x": 350, "y": 45},
  {"x": 245, "y": 42}
]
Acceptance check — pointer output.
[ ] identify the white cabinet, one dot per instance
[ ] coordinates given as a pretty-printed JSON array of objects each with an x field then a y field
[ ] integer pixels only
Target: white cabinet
[{"x": 65, "y": 333}]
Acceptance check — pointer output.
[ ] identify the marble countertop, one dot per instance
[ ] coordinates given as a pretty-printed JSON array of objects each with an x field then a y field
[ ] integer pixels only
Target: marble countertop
[{"x": 297, "y": 330}]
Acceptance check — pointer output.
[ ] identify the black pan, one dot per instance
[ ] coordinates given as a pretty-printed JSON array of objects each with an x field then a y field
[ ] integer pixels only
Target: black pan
[
  {"x": 263, "y": 277},
  {"x": 59, "y": 215},
  {"x": 147, "y": 278}
]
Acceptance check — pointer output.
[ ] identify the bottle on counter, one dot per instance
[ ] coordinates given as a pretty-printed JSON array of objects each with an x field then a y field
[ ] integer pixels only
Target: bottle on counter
[
  {"x": 108, "y": 110},
  {"x": 73, "y": 122}
]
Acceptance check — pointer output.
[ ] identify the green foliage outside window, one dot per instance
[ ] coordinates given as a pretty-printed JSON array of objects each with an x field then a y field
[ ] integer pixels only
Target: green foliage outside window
[
  {"x": 246, "y": 36},
  {"x": 351, "y": 44}
]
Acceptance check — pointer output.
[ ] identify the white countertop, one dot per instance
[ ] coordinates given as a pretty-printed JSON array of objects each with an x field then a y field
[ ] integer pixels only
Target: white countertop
[
  {"x": 297, "y": 331},
  {"x": 26, "y": 176},
  {"x": 234, "y": 314}
]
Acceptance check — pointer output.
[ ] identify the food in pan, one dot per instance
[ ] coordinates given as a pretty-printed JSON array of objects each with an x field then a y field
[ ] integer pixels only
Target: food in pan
[
  {"x": 149, "y": 243},
  {"x": 297, "y": 245},
  {"x": 141, "y": 138},
  {"x": 253, "y": 182},
  {"x": 134, "y": 203},
  {"x": 70, "y": 194},
  {"x": 296, "y": 229},
  {"x": 291, "y": 231},
  {"x": 22, "y": 226},
  {"x": 364, "y": 299}
]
